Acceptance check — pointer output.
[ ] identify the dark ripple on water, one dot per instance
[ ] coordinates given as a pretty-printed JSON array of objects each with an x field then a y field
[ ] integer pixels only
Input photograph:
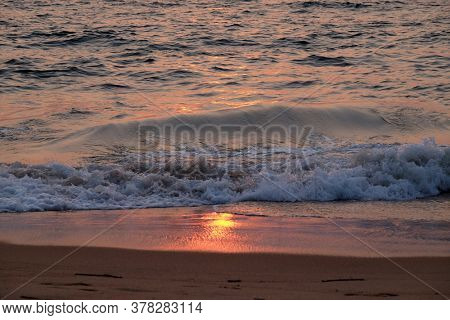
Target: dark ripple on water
[{"x": 320, "y": 61}]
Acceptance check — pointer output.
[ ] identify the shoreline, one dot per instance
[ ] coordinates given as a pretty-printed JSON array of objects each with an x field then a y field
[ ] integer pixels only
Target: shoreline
[
  {"x": 111, "y": 273},
  {"x": 244, "y": 228}
]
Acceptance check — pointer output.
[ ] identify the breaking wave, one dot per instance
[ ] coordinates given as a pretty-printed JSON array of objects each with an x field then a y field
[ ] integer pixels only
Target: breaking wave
[
  {"x": 348, "y": 122},
  {"x": 356, "y": 172}
]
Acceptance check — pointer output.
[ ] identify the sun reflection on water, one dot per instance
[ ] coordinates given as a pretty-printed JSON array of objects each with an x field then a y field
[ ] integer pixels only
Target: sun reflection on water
[
  {"x": 211, "y": 231},
  {"x": 219, "y": 225}
]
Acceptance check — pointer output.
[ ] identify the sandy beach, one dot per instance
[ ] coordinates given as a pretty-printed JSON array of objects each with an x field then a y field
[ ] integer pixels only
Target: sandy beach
[
  {"x": 228, "y": 252},
  {"x": 103, "y": 273}
]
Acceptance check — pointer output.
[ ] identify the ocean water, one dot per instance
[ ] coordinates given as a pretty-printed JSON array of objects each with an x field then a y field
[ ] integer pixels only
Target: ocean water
[{"x": 363, "y": 84}]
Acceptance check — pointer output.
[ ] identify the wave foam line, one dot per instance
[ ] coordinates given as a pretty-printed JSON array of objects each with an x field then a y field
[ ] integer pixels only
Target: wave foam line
[{"x": 401, "y": 172}]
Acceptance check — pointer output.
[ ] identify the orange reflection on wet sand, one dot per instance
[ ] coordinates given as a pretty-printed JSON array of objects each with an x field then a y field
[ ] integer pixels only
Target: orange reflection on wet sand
[
  {"x": 215, "y": 232},
  {"x": 219, "y": 225},
  {"x": 208, "y": 229}
]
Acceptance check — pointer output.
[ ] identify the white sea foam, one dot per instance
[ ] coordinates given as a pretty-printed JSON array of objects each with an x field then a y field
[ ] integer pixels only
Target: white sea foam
[{"x": 381, "y": 172}]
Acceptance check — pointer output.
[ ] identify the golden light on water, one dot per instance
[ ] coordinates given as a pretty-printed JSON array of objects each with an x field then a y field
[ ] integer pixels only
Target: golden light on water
[
  {"x": 212, "y": 231},
  {"x": 219, "y": 225}
]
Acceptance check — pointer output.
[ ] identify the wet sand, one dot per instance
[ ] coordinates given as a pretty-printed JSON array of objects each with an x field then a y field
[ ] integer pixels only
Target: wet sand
[
  {"x": 210, "y": 253},
  {"x": 105, "y": 273},
  {"x": 345, "y": 229}
]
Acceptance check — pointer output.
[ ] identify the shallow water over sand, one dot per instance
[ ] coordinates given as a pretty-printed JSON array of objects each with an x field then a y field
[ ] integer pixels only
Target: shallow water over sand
[{"x": 344, "y": 229}]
